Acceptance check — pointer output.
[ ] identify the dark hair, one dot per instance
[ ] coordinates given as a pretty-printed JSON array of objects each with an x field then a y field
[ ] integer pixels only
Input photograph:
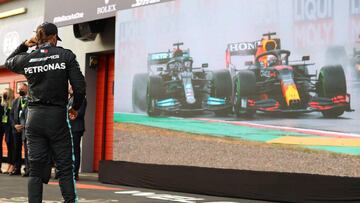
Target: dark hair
[{"x": 41, "y": 36}]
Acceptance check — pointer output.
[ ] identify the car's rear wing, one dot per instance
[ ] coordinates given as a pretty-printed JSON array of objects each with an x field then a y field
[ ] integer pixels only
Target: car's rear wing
[
  {"x": 249, "y": 48},
  {"x": 242, "y": 48},
  {"x": 163, "y": 57},
  {"x": 159, "y": 58}
]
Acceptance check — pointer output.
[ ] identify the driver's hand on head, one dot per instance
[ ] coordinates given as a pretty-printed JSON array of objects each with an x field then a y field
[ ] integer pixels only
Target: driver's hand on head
[{"x": 31, "y": 42}]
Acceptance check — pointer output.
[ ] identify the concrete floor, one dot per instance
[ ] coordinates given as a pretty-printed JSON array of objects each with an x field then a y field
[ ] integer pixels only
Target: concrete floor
[{"x": 14, "y": 189}]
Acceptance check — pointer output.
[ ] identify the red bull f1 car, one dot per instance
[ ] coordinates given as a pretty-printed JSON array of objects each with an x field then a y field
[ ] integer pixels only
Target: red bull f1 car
[{"x": 273, "y": 84}]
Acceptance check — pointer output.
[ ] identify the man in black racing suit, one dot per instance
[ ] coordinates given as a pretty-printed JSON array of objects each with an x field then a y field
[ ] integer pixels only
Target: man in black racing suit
[{"x": 48, "y": 70}]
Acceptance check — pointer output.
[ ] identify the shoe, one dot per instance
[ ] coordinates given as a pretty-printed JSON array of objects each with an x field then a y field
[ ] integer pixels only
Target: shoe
[
  {"x": 15, "y": 173},
  {"x": 25, "y": 174},
  {"x": 10, "y": 169}
]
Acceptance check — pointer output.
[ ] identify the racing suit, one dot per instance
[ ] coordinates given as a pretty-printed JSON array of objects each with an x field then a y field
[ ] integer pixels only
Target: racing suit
[{"x": 48, "y": 70}]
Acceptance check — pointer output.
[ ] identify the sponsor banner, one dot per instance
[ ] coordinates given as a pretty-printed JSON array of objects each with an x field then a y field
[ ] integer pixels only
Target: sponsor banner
[
  {"x": 354, "y": 24},
  {"x": 313, "y": 23},
  {"x": 354, "y": 29},
  {"x": 62, "y": 14}
]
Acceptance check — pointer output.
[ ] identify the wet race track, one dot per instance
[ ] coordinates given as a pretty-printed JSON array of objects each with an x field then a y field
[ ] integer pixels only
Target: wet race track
[
  {"x": 347, "y": 123},
  {"x": 277, "y": 128}
]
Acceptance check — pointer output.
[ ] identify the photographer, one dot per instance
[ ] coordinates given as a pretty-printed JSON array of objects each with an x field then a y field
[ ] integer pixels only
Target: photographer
[{"x": 48, "y": 70}]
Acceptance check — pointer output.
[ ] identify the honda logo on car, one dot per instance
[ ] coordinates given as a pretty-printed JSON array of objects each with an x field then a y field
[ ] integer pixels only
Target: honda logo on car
[
  {"x": 242, "y": 46},
  {"x": 144, "y": 2}
]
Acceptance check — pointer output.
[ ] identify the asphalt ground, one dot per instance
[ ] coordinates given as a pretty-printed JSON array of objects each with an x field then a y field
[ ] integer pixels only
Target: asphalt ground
[{"x": 13, "y": 189}]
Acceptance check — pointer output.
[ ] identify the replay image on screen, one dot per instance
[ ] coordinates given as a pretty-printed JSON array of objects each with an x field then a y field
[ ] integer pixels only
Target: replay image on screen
[{"x": 256, "y": 85}]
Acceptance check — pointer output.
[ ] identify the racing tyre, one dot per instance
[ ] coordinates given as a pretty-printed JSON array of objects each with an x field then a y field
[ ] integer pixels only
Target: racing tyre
[
  {"x": 332, "y": 82},
  {"x": 244, "y": 87},
  {"x": 222, "y": 88},
  {"x": 139, "y": 85},
  {"x": 155, "y": 91}
]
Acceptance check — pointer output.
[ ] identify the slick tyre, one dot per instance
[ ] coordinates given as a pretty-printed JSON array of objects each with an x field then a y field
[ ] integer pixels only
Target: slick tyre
[
  {"x": 154, "y": 91},
  {"x": 139, "y": 85},
  {"x": 244, "y": 86},
  {"x": 222, "y": 88},
  {"x": 222, "y": 84},
  {"x": 332, "y": 82}
]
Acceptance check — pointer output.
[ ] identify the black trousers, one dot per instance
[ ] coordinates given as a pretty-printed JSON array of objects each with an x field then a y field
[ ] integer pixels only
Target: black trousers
[
  {"x": 17, "y": 150},
  {"x": 6, "y": 130},
  {"x": 48, "y": 134},
  {"x": 27, "y": 164},
  {"x": 77, "y": 150}
]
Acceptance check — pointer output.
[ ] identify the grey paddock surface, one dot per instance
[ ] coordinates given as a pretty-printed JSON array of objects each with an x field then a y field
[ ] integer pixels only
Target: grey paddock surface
[{"x": 13, "y": 189}]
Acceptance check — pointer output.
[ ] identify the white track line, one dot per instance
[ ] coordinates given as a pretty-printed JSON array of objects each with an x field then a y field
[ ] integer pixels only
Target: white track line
[{"x": 284, "y": 128}]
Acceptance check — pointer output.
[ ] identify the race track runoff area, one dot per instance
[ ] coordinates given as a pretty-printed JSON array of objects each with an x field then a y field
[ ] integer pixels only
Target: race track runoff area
[{"x": 335, "y": 142}]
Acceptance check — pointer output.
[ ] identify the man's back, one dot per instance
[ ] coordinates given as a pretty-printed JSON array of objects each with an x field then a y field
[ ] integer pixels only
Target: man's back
[{"x": 48, "y": 70}]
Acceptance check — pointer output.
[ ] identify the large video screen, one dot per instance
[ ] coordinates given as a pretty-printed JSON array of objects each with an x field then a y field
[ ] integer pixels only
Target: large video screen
[{"x": 260, "y": 85}]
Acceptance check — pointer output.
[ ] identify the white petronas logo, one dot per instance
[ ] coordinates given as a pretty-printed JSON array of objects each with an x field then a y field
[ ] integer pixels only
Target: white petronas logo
[{"x": 45, "y": 68}]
